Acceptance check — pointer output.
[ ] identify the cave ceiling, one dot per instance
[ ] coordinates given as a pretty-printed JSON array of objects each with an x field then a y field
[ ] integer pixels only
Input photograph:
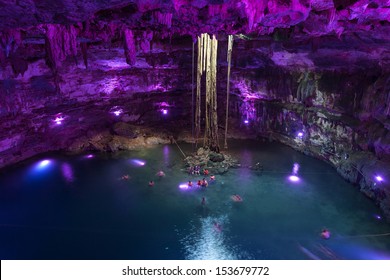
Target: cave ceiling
[{"x": 348, "y": 31}]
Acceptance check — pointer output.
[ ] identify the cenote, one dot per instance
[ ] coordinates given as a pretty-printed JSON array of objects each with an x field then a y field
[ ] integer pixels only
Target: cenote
[{"x": 77, "y": 207}]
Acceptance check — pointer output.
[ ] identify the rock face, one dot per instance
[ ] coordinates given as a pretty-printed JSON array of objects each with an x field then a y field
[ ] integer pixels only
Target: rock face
[
  {"x": 111, "y": 75},
  {"x": 215, "y": 163}
]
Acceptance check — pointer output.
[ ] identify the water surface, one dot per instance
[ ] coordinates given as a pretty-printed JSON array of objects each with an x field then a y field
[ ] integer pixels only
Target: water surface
[{"x": 77, "y": 207}]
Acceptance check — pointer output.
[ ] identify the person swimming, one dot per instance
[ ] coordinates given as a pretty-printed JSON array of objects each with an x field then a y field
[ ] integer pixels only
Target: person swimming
[
  {"x": 197, "y": 169},
  {"x": 189, "y": 184},
  {"x": 204, "y": 183},
  {"x": 325, "y": 234},
  {"x": 199, "y": 183},
  {"x": 217, "y": 226},
  {"x": 160, "y": 174},
  {"x": 203, "y": 201},
  {"x": 236, "y": 198},
  {"x": 206, "y": 172},
  {"x": 212, "y": 178},
  {"x": 151, "y": 183}
]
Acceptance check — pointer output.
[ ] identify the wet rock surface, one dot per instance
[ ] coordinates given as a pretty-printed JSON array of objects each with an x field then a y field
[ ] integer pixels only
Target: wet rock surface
[{"x": 215, "y": 163}]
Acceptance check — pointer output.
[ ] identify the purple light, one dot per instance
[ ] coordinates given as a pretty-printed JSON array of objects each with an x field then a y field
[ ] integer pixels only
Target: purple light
[
  {"x": 246, "y": 121},
  {"x": 164, "y": 111},
  {"x": 67, "y": 172},
  {"x": 378, "y": 217},
  {"x": 379, "y": 178},
  {"x": 183, "y": 186},
  {"x": 44, "y": 163},
  {"x": 138, "y": 162},
  {"x": 293, "y": 178},
  {"x": 116, "y": 110},
  {"x": 300, "y": 134},
  {"x": 295, "y": 169},
  {"x": 89, "y": 156},
  {"x": 58, "y": 119}
]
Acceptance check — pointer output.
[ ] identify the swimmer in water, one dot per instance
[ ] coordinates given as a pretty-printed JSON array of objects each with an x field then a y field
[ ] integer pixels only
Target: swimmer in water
[
  {"x": 199, "y": 183},
  {"x": 151, "y": 183},
  {"x": 203, "y": 201},
  {"x": 189, "y": 184},
  {"x": 206, "y": 172},
  {"x": 325, "y": 234},
  {"x": 204, "y": 183},
  {"x": 236, "y": 198},
  {"x": 217, "y": 226},
  {"x": 160, "y": 174},
  {"x": 197, "y": 170},
  {"x": 212, "y": 178},
  {"x": 125, "y": 177}
]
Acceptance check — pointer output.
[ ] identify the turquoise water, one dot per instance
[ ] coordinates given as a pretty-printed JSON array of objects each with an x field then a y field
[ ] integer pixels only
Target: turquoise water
[{"x": 77, "y": 207}]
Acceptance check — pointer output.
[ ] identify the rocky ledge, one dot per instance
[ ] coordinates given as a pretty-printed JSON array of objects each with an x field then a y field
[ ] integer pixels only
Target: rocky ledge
[
  {"x": 122, "y": 136},
  {"x": 216, "y": 163},
  {"x": 361, "y": 168}
]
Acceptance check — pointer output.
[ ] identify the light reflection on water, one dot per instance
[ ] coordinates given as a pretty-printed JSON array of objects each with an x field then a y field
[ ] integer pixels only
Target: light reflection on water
[{"x": 208, "y": 239}]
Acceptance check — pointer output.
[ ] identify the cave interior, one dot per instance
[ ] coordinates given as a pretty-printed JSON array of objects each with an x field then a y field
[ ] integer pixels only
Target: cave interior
[{"x": 102, "y": 75}]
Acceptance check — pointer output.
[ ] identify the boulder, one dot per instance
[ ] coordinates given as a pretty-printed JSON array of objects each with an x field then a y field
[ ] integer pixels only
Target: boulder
[
  {"x": 125, "y": 129},
  {"x": 216, "y": 157}
]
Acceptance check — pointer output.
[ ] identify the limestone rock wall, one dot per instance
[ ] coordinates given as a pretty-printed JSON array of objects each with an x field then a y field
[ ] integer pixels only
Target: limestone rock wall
[{"x": 337, "y": 99}]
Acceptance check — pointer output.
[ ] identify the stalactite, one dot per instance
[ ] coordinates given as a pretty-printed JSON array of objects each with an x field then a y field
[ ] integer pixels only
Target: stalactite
[
  {"x": 229, "y": 60},
  {"x": 386, "y": 91},
  {"x": 60, "y": 42},
  {"x": 164, "y": 18},
  {"x": 84, "y": 51},
  {"x": 147, "y": 37},
  {"x": 129, "y": 46},
  {"x": 306, "y": 86},
  {"x": 10, "y": 41}
]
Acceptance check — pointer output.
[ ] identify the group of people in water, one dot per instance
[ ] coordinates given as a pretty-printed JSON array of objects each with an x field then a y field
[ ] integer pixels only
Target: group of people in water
[
  {"x": 201, "y": 183},
  {"x": 325, "y": 233},
  {"x": 160, "y": 175}
]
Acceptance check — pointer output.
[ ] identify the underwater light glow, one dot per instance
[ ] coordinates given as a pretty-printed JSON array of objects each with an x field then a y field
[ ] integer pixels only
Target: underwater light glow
[
  {"x": 89, "y": 156},
  {"x": 138, "y": 162},
  {"x": 378, "y": 217},
  {"x": 44, "y": 163},
  {"x": 379, "y": 178},
  {"x": 295, "y": 169},
  {"x": 164, "y": 111},
  {"x": 183, "y": 186},
  {"x": 246, "y": 121},
  {"x": 293, "y": 178},
  {"x": 67, "y": 172},
  {"x": 300, "y": 134}
]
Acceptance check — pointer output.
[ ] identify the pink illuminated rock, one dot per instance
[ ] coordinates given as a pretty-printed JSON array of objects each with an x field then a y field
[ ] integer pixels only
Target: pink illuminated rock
[
  {"x": 129, "y": 46},
  {"x": 60, "y": 43}
]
